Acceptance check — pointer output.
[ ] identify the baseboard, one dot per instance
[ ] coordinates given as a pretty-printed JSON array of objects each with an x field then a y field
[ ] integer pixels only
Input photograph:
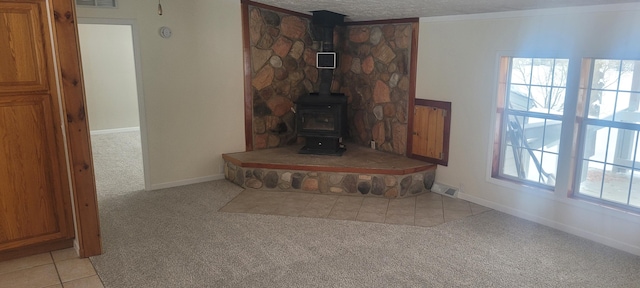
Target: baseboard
[
  {"x": 117, "y": 130},
  {"x": 36, "y": 249},
  {"x": 553, "y": 224},
  {"x": 187, "y": 182}
]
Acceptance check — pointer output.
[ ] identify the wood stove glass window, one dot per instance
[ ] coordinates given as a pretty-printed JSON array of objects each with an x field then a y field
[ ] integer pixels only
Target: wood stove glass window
[{"x": 318, "y": 120}]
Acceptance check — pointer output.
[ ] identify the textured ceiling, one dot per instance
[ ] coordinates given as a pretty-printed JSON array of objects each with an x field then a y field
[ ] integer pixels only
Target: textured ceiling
[{"x": 362, "y": 10}]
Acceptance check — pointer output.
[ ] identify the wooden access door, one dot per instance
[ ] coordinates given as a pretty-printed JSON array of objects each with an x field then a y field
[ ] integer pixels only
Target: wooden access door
[
  {"x": 431, "y": 126},
  {"x": 35, "y": 207}
]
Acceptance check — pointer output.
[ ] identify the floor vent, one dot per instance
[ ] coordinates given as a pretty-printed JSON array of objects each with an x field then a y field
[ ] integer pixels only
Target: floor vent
[{"x": 445, "y": 190}]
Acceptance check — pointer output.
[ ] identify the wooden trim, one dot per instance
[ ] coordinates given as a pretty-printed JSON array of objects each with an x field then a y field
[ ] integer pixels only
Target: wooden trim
[
  {"x": 248, "y": 90},
  {"x": 500, "y": 103},
  {"x": 434, "y": 103},
  {"x": 320, "y": 168},
  {"x": 578, "y": 129},
  {"x": 275, "y": 9},
  {"x": 78, "y": 141},
  {"x": 415, "y": 21},
  {"x": 413, "y": 79},
  {"x": 36, "y": 249}
]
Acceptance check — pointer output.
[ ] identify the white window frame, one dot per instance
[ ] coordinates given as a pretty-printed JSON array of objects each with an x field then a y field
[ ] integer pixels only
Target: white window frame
[
  {"x": 497, "y": 142},
  {"x": 570, "y": 142},
  {"x": 583, "y": 121}
]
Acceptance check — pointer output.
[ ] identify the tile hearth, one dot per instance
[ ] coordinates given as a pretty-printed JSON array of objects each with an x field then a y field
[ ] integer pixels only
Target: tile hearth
[
  {"x": 360, "y": 171},
  {"x": 425, "y": 210}
]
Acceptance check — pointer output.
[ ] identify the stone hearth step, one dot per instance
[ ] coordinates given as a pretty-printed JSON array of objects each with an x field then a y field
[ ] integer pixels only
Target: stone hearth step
[{"x": 360, "y": 171}]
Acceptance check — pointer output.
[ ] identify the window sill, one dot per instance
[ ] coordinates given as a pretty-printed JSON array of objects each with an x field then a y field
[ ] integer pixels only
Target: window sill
[{"x": 579, "y": 203}]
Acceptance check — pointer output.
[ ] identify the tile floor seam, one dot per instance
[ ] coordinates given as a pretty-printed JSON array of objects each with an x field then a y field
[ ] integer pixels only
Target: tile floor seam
[
  {"x": 359, "y": 207},
  {"x": 25, "y": 268},
  {"x": 415, "y": 210},
  {"x": 55, "y": 266},
  {"x": 94, "y": 269},
  {"x": 334, "y": 206},
  {"x": 386, "y": 210},
  {"x": 84, "y": 278}
]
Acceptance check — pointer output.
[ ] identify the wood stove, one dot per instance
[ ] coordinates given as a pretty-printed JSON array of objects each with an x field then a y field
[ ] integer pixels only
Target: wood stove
[
  {"x": 322, "y": 117},
  {"x": 322, "y": 120}
]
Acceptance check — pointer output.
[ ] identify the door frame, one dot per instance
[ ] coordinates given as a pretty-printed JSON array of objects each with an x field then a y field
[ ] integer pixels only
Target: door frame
[{"x": 140, "y": 90}]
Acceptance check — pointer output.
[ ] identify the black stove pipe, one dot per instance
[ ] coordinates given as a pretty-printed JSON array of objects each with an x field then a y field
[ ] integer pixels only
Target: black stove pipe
[{"x": 326, "y": 20}]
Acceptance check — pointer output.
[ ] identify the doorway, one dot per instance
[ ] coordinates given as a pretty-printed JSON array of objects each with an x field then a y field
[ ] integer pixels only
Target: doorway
[{"x": 111, "y": 68}]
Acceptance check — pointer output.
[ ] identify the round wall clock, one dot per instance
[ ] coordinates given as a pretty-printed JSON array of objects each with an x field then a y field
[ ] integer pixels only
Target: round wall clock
[{"x": 165, "y": 32}]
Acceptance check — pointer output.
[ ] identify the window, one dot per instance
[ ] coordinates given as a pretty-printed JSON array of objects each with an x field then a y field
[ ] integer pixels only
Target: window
[
  {"x": 609, "y": 167},
  {"x": 530, "y": 113},
  {"x": 97, "y": 3},
  {"x": 605, "y": 152}
]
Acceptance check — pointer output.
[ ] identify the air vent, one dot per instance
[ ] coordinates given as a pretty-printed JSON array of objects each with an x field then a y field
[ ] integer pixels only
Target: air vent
[
  {"x": 445, "y": 190},
  {"x": 97, "y": 3}
]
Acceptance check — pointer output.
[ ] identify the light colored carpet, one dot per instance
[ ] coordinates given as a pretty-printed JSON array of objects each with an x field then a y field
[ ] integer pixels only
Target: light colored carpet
[
  {"x": 177, "y": 238},
  {"x": 117, "y": 161}
]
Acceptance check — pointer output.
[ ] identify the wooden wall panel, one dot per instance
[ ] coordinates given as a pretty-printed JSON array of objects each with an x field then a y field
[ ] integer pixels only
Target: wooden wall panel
[
  {"x": 430, "y": 131},
  {"x": 21, "y": 39},
  {"x": 28, "y": 203}
]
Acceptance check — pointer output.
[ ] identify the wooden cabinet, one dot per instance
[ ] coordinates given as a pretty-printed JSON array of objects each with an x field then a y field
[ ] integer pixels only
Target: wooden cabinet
[
  {"x": 431, "y": 128},
  {"x": 35, "y": 205}
]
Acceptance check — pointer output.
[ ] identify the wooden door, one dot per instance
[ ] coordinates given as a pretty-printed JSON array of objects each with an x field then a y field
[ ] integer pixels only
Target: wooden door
[
  {"x": 430, "y": 137},
  {"x": 35, "y": 206},
  {"x": 428, "y": 131}
]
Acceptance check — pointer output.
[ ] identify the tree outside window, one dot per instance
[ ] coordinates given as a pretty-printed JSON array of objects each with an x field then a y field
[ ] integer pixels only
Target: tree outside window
[
  {"x": 610, "y": 162},
  {"x": 531, "y": 119}
]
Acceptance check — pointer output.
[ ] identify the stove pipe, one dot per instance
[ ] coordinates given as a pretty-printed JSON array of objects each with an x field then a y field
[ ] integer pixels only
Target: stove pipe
[{"x": 326, "y": 21}]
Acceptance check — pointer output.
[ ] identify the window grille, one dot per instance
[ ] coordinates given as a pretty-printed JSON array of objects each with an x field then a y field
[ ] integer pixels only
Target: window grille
[{"x": 531, "y": 119}]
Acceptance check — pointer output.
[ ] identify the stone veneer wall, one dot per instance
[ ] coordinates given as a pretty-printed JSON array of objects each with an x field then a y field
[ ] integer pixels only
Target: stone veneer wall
[
  {"x": 374, "y": 74},
  {"x": 283, "y": 68},
  {"x": 376, "y": 185}
]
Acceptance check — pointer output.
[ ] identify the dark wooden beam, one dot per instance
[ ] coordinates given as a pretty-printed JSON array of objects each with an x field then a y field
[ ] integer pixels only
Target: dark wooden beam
[
  {"x": 248, "y": 91},
  {"x": 413, "y": 70},
  {"x": 77, "y": 129}
]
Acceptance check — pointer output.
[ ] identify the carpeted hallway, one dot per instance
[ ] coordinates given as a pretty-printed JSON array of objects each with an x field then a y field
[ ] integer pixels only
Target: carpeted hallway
[{"x": 178, "y": 237}]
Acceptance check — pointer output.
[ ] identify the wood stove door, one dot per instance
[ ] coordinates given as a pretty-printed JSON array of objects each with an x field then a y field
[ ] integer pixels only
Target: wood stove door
[{"x": 319, "y": 121}]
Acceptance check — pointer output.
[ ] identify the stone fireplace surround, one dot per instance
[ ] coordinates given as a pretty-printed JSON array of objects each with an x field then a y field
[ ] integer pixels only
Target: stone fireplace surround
[
  {"x": 373, "y": 72},
  {"x": 360, "y": 171}
]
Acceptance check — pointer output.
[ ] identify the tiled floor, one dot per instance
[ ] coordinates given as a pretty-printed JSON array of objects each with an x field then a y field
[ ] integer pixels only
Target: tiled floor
[
  {"x": 56, "y": 269},
  {"x": 424, "y": 210}
]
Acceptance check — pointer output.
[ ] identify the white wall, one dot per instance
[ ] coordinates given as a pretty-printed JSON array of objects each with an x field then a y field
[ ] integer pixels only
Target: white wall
[
  {"x": 458, "y": 63},
  {"x": 109, "y": 76},
  {"x": 192, "y": 85},
  {"x": 193, "y": 94}
]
